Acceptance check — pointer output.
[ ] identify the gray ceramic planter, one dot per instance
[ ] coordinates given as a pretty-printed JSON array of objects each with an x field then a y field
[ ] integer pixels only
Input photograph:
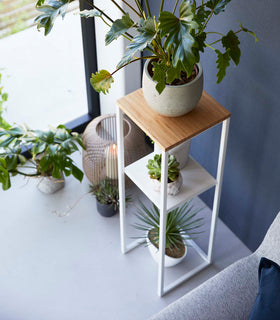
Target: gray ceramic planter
[
  {"x": 106, "y": 210},
  {"x": 51, "y": 185},
  {"x": 174, "y": 101}
]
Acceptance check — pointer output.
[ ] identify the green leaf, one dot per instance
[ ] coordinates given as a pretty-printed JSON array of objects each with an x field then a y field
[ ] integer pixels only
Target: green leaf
[
  {"x": 217, "y": 5},
  {"x": 199, "y": 45},
  {"x": 147, "y": 34},
  {"x": 201, "y": 15},
  {"x": 4, "y": 175},
  {"x": 77, "y": 173},
  {"x": 101, "y": 81},
  {"x": 40, "y": 2},
  {"x": 178, "y": 35},
  {"x": 250, "y": 32},
  {"x": 231, "y": 42},
  {"x": 159, "y": 75},
  {"x": 222, "y": 64},
  {"x": 172, "y": 74},
  {"x": 119, "y": 27},
  {"x": 51, "y": 11},
  {"x": 90, "y": 13},
  {"x": 5, "y": 96}
]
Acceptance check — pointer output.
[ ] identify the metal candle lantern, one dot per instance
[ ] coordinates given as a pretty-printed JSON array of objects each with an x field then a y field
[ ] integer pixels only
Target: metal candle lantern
[{"x": 101, "y": 154}]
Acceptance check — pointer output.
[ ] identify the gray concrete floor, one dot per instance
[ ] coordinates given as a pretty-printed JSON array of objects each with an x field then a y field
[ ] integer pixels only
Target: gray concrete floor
[{"x": 68, "y": 267}]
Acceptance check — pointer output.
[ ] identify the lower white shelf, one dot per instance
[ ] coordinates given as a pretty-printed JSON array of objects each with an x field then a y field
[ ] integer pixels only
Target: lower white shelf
[{"x": 196, "y": 180}]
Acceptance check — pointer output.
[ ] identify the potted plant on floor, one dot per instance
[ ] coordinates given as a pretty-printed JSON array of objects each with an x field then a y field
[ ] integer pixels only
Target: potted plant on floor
[
  {"x": 107, "y": 196},
  {"x": 181, "y": 226},
  {"x": 173, "y": 75},
  {"x": 47, "y": 156},
  {"x": 175, "y": 180}
]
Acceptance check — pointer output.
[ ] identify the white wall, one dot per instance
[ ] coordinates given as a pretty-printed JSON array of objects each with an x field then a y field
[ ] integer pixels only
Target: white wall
[{"x": 125, "y": 80}]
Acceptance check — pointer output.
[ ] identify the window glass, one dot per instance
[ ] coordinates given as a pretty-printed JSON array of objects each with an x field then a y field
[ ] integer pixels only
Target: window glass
[{"x": 44, "y": 76}]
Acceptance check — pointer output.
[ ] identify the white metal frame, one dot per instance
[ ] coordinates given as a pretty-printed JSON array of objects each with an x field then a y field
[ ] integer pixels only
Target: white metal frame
[{"x": 207, "y": 258}]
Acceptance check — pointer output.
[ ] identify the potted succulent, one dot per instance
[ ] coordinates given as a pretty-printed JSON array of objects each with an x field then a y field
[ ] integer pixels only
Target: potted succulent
[
  {"x": 47, "y": 156},
  {"x": 107, "y": 196},
  {"x": 173, "y": 75},
  {"x": 181, "y": 225},
  {"x": 175, "y": 180}
]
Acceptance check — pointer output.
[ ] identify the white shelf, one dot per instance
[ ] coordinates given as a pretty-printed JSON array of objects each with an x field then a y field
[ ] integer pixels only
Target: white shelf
[{"x": 196, "y": 180}]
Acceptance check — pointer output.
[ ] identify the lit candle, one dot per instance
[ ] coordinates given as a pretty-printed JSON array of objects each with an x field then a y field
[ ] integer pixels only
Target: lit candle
[{"x": 111, "y": 162}]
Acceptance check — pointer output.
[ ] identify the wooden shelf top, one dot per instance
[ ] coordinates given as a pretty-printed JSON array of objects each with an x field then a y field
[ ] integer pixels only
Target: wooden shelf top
[{"x": 170, "y": 132}]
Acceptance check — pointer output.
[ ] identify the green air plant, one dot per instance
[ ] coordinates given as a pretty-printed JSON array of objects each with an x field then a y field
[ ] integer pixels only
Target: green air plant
[
  {"x": 48, "y": 153},
  {"x": 154, "y": 166},
  {"x": 174, "y": 39},
  {"x": 182, "y": 224}
]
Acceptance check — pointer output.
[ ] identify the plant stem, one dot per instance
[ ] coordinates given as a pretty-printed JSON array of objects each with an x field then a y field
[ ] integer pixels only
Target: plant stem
[
  {"x": 205, "y": 23},
  {"x": 140, "y": 8},
  {"x": 175, "y": 6},
  {"x": 26, "y": 174},
  {"x": 102, "y": 12},
  {"x": 215, "y": 33},
  {"x": 138, "y": 14},
  {"x": 161, "y": 6},
  {"x": 148, "y": 8},
  {"x": 209, "y": 46},
  {"x": 141, "y": 58},
  {"x": 118, "y": 6}
]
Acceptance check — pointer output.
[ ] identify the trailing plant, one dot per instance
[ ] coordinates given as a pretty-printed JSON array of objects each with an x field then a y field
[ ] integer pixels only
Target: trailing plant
[
  {"x": 49, "y": 153},
  {"x": 154, "y": 166},
  {"x": 181, "y": 225},
  {"x": 175, "y": 39},
  {"x": 107, "y": 192}
]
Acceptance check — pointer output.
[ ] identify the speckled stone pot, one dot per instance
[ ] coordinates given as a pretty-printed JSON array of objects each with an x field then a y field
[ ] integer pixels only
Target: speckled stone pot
[
  {"x": 50, "y": 185},
  {"x": 173, "y": 188},
  {"x": 174, "y": 101}
]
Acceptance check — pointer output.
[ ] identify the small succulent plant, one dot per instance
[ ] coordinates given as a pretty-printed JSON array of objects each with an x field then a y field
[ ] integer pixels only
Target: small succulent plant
[
  {"x": 107, "y": 192},
  {"x": 154, "y": 166}
]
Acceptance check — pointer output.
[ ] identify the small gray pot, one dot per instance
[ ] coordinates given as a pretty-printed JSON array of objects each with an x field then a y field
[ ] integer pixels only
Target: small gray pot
[
  {"x": 106, "y": 210},
  {"x": 174, "y": 101}
]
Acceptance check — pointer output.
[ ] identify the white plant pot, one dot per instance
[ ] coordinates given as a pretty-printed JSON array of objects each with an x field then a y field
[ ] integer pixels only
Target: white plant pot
[
  {"x": 168, "y": 261},
  {"x": 181, "y": 152},
  {"x": 173, "y": 188},
  {"x": 174, "y": 101},
  {"x": 50, "y": 185}
]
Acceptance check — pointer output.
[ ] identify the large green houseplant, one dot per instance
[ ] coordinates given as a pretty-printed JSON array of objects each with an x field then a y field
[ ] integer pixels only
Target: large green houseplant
[
  {"x": 47, "y": 154},
  {"x": 174, "y": 39}
]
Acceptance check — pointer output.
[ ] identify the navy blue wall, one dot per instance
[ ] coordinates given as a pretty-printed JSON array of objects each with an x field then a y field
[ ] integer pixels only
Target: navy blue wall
[{"x": 251, "y": 188}]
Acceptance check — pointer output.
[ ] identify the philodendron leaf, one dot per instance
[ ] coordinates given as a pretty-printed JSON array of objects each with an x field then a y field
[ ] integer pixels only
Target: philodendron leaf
[
  {"x": 50, "y": 12},
  {"x": 147, "y": 32},
  {"x": 101, "y": 81},
  {"x": 172, "y": 74},
  {"x": 231, "y": 42},
  {"x": 159, "y": 75},
  {"x": 178, "y": 35},
  {"x": 217, "y": 5},
  {"x": 222, "y": 64},
  {"x": 250, "y": 32},
  {"x": 119, "y": 27}
]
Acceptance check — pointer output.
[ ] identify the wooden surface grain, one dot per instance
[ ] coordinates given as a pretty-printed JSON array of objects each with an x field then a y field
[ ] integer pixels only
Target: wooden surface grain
[{"x": 169, "y": 132}]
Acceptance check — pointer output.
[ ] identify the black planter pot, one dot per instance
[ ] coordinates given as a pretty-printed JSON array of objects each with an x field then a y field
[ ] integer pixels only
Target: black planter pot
[{"x": 106, "y": 210}]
